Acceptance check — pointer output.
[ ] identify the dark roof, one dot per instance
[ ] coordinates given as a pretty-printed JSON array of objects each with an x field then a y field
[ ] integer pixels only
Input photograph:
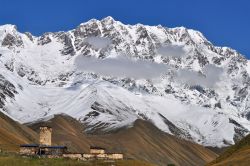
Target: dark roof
[
  {"x": 96, "y": 147},
  {"x": 29, "y": 145},
  {"x": 42, "y": 146},
  {"x": 54, "y": 147}
]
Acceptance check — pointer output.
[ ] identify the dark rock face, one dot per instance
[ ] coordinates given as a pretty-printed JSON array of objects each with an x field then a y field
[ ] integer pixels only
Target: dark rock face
[
  {"x": 11, "y": 40},
  {"x": 99, "y": 108},
  {"x": 7, "y": 89},
  {"x": 87, "y": 30},
  {"x": 202, "y": 60},
  {"x": 218, "y": 105},
  {"x": 91, "y": 114},
  {"x": 198, "y": 88},
  {"x": 175, "y": 130},
  {"x": 10, "y": 65},
  {"x": 65, "y": 38},
  {"x": 29, "y": 35},
  {"x": 64, "y": 77},
  {"x": 242, "y": 93},
  {"x": 217, "y": 60},
  {"x": 83, "y": 31},
  {"x": 240, "y": 131},
  {"x": 30, "y": 74},
  {"x": 248, "y": 115},
  {"x": 44, "y": 39}
]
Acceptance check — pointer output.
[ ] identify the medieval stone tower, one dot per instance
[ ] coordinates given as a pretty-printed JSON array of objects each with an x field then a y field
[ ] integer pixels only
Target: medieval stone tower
[{"x": 45, "y": 135}]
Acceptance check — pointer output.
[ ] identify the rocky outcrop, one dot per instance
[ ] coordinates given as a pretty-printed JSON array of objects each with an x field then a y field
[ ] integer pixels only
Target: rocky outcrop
[{"x": 7, "y": 90}]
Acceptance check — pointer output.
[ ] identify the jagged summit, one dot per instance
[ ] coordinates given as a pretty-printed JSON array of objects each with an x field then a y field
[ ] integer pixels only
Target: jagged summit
[
  {"x": 8, "y": 27},
  {"x": 107, "y": 75},
  {"x": 191, "y": 35},
  {"x": 108, "y": 19}
]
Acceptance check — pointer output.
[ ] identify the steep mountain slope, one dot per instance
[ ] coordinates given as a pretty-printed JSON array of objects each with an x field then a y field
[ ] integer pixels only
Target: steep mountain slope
[
  {"x": 107, "y": 75},
  {"x": 12, "y": 134},
  {"x": 238, "y": 154},
  {"x": 142, "y": 141}
]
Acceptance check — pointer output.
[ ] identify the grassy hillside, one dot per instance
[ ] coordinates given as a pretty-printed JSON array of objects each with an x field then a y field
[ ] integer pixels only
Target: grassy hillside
[
  {"x": 12, "y": 160},
  {"x": 142, "y": 142},
  {"x": 238, "y": 154},
  {"x": 12, "y": 134}
]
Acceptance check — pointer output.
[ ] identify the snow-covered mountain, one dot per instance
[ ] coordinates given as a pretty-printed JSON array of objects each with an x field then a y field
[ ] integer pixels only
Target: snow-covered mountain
[{"x": 107, "y": 75}]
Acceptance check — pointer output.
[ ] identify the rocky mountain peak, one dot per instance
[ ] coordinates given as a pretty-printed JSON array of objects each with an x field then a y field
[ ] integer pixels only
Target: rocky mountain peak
[
  {"x": 8, "y": 28},
  {"x": 107, "y": 74}
]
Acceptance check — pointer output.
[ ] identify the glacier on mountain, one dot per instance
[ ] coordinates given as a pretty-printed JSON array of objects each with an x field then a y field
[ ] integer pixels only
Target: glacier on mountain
[{"x": 107, "y": 75}]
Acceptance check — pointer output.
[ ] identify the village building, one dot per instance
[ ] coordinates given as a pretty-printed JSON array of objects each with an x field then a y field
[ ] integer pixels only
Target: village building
[
  {"x": 45, "y": 148},
  {"x": 101, "y": 154},
  {"x": 96, "y": 150},
  {"x": 96, "y": 153},
  {"x": 29, "y": 149},
  {"x": 45, "y": 136},
  {"x": 52, "y": 150},
  {"x": 45, "y": 145}
]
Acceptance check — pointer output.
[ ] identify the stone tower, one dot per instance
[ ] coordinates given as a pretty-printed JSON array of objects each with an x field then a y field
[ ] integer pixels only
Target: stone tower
[{"x": 45, "y": 135}]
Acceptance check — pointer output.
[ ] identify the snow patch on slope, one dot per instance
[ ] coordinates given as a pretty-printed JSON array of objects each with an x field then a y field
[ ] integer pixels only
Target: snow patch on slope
[{"x": 208, "y": 105}]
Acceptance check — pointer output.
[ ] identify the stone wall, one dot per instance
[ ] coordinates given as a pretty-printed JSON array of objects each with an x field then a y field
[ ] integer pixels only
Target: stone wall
[
  {"x": 89, "y": 156},
  {"x": 115, "y": 156},
  {"x": 73, "y": 156},
  {"x": 97, "y": 151},
  {"x": 45, "y": 135},
  {"x": 28, "y": 150}
]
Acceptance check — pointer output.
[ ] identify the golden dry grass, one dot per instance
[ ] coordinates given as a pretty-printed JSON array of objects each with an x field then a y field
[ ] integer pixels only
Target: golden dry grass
[
  {"x": 236, "y": 155},
  {"x": 142, "y": 142},
  {"x": 12, "y": 134}
]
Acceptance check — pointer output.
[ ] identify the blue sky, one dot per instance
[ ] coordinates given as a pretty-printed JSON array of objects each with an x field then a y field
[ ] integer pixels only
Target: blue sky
[{"x": 223, "y": 22}]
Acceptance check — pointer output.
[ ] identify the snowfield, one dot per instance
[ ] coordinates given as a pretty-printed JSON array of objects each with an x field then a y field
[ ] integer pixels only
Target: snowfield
[{"x": 107, "y": 75}]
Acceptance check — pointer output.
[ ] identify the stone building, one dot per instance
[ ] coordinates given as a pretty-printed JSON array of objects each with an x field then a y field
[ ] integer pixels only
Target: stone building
[
  {"x": 45, "y": 135},
  {"x": 96, "y": 150},
  {"x": 29, "y": 149},
  {"x": 96, "y": 153},
  {"x": 115, "y": 156},
  {"x": 52, "y": 150},
  {"x": 73, "y": 155},
  {"x": 45, "y": 145},
  {"x": 100, "y": 153},
  {"x": 45, "y": 148}
]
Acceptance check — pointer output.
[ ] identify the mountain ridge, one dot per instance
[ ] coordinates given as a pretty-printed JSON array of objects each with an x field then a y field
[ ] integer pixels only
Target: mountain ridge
[
  {"x": 143, "y": 141},
  {"x": 108, "y": 74}
]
